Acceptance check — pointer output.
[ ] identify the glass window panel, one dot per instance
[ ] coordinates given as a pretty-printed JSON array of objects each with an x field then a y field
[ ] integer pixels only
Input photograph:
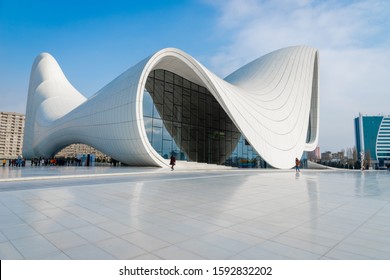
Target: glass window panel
[
  {"x": 194, "y": 134},
  {"x": 222, "y": 123},
  {"x": 159, "y": 74},
  {"x": 169, "y": 87},
  {"x": 167, "y": 128},
  {"x": 186, "y": 83},
  {"x": 158, "y": 93},
  {"x": 167, "y": 148},
  {"x": 178, "y": 80},
  {"x": 157, "y": 139},
  {"x": 229, "y": 124},
  {"x": 194, "y": 87},
  {"x": 185, "y": 132},
  {"x": 176, "y": 133},
  {"x": 168, "y": 98},
  {"x": 186, "y": 107},
  {"x": 177, "y": 113},
  {"x": 168, "y": 106},
  {"x": 148, "y": 128},
  {"x": 147, "y": 105},
  {"x": 169, "y": 77},
  {"x": 149, "y": 84},
  {"x": 194, "y": 100},
  {"x": 157, "y": 122},
  {"x": 186, "y": 92},
  {"x": 177, "y": 92},
  {"x": 156, "y": 114},
  {"x": 194, "y": 117}
]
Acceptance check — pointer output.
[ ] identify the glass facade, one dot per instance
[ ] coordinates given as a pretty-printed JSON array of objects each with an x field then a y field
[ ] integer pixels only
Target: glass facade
[
  {"x": 376, "y": 137},
  {"x": 184, "y": 119},
  {"x": 383, "y": 142}
]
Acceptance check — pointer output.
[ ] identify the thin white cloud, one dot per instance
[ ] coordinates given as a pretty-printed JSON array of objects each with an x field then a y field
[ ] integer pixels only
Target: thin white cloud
[{"x": 353, "y": 40}]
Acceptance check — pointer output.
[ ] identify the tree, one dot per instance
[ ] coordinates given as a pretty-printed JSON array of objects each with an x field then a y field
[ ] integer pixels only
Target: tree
[
  {"x": 367, "y": 158},
  {"x": 354, "y": 154}
]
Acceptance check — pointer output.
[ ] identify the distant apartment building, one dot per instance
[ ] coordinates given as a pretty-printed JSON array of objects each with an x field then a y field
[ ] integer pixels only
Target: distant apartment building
[
  {"x": 350, "y": 153},
  {"x": 339, "y": 156},
  {"x": 372, "y": 136},
  {"x": 314, "y": 155},
  {"x": 76, "y": 150},
  {"x": 326, "y": 156},
  {"x": 11, "y": 134}
]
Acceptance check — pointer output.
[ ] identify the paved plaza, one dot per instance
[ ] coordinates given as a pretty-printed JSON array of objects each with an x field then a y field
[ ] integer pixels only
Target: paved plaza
[{"x": 153, "y": 213}]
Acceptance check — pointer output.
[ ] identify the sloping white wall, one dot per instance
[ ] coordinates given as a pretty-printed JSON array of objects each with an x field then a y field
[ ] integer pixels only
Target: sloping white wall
[{"x": 270, "y": 100}]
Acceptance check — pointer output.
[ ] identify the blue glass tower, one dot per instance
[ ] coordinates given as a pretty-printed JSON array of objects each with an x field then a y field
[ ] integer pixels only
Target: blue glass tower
[{"x": 372, "y": 135}]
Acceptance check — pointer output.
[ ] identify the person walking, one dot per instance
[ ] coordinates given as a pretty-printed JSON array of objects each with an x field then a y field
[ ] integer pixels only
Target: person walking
[
  {"x": 297, "y": 165},
  {"x": 172, "y": 162},
  {"x": 4, "y": 162}
]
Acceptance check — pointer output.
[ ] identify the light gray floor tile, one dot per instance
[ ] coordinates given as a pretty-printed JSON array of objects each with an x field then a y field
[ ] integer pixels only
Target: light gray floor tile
[
  {"x": 363, "y": 250},
  {"x": 92, "y": 233},
  {"x": 47, "y": 226},
  {"x": 3, "y": 238},
  {"x": 9, "y": 220},
  {"x": 31, "y": 217},
  {"x": 229, "y": 242},
  {"x": 116, "y": 228},
  {"x": 65, "y": 239},
  {"x": 256, "y": 232},
  {"x": 288, "y": 251},
  {"x": 337, "y": 254},
  {"x": 9, "y": 252},
  {"x": 369, "y": 243},
  {"x": 259, "y": 253},
  {"x": 147, "y": 256},
  {"x": 205, "y": 250},
  {"x": 34, "y": 247},
  {"x": 120, "y": 248},
  {"x": 19, "y": 231},
  {"x": 88, "y": 252},
  {"x": 166, "y": 235},
  {"x": 302, "y": 244},
  {"x": 53, "y": 256},
  {"x": 70, "y": 221},
  {"x": 176, "y": 253},
  {"x": 145, "y": 241}
]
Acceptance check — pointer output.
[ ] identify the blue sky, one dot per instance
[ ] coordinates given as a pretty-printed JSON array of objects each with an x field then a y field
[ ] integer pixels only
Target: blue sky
[{"x": 95, "y": 41}]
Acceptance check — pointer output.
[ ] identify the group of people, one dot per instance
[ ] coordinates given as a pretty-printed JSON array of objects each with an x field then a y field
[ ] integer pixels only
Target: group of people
[
  {"x": 21, "y": 162},
  {"x": 46, "y": 162},
  {"x": 172, "y": 163},
  {"x": 14, "y": 162}
]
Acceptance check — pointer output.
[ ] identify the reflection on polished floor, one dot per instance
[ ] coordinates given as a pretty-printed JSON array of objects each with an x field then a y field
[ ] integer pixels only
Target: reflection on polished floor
[{"x": 194, "y": 214}]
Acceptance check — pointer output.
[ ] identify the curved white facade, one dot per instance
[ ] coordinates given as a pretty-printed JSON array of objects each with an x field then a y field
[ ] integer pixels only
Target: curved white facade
[{"x": 273, "y": 101}]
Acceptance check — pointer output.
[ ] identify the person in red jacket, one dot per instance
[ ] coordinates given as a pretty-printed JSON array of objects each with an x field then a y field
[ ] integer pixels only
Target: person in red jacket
[
  {"x": 172, "y": 162},
  {"x": 297, "y": 164}
]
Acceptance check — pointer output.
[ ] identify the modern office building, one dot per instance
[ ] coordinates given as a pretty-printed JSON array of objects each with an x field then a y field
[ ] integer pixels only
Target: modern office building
[
  {"x": 11, "y": 134},
  {"x": 264, "y": 114},
  {"x": 372, "y": 135}
]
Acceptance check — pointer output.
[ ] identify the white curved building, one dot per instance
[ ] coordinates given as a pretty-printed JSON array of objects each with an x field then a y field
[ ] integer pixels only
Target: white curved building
[{"x": 170, "y": 103}]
